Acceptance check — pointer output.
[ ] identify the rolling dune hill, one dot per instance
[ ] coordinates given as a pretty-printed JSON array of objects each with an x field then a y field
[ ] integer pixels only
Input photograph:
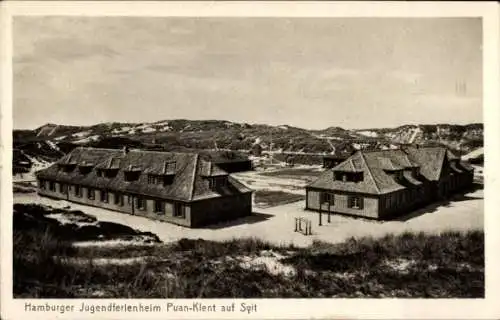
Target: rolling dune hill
[{"x": 51, "y": 141}]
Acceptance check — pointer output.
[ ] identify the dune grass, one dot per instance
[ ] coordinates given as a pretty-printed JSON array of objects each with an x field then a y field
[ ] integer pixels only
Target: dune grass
[{"x": 449, "y": 265}]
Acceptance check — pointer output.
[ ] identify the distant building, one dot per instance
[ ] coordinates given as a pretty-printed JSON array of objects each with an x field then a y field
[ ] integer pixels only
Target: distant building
[
  {"x": 256, "y": 150},
  {"x": 383, "y": 184},
  {"x": 340, "y": 154},
  {"x": 229, "y": 161},
  {"x": 181, "y": 188}
]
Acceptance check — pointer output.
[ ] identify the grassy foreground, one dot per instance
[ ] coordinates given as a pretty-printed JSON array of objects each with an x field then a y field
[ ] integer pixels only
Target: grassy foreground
[{"x": 47, "y": 265}]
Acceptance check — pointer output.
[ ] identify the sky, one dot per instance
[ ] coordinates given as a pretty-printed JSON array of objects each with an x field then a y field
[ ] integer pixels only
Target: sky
[{"x": 307, "y": 72}]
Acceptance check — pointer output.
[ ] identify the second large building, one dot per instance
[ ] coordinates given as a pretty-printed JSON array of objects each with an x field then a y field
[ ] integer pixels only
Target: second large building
[{"x": 385, "y": 184}]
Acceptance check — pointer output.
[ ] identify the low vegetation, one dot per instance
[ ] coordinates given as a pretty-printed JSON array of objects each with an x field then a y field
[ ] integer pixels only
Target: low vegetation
[
  {"x": 307, "y": 174},
  {"x": 47, "y": 264},
  {"x": 271, "y": 198}
]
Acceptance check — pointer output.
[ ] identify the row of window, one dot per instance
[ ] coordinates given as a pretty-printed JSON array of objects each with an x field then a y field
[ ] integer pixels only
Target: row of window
[
  {"x": 353, "y": 202},
  {"x": 118, "y": 198}
]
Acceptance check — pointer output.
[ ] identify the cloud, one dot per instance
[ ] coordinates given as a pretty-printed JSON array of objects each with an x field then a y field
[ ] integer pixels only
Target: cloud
[{"x": 310, "y": 72}]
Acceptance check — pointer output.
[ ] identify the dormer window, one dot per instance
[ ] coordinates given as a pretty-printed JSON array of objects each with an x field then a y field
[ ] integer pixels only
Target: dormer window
[
  {"x": 108, "y": 173},
  {"x": 345, "y": 176},
  {"x": 162, "y": 175},
  {"x": 160, "y": 179},
  {"x": 415, "y": 172},
  {"x": 216, "y": 177},
  {"x": 131, "y": 176},
  {"x": 85, "y": 168},
  {"x": 217, "y": 182},
  {"x": 67, "y": 167},
  {"x": 396, "y": 174},
  {"x": 132, "y": 173}
]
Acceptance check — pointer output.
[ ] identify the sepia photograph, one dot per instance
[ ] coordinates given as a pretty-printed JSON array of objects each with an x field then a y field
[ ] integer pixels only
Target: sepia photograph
[{"x": 219, "y": 157}]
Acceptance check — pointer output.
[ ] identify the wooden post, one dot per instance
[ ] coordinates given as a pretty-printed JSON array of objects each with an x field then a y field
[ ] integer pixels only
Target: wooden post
[
  {"x": 320, "y": 223},
  {"x": 296, "y": 221},
  {"x": 329, "y": 205},
  {"x": 310, "y": 227}
]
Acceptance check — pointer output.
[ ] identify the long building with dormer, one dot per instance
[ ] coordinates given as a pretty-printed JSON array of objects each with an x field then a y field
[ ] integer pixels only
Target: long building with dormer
[{"x": 180, "y": 188}]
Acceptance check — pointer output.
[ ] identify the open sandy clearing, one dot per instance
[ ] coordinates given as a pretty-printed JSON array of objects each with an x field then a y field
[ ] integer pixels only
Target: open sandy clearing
[{"x": 276, "y": 224}]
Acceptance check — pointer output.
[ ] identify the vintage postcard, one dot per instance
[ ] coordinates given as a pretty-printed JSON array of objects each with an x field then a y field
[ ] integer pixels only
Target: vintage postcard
[{"x": 227, "y": 160}]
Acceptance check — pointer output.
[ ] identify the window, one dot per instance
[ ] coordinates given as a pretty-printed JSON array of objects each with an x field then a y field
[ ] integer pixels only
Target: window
[
  {"x": 141, "y": 203},
  {"x": 91, "y": 194},
  {"x": 152, "y": 179},
  {"x": 104, "y": 196},
  {"x": 67, "y": 168},
  {"x": 159, "y": 208},
  {"x": 179, "y": 210},
  {"x": 168, "y": 180},
  {"x": 85, "y": 169},
  {"x": 131, "y": 175},
  {"x": 62, "y": 188},
  {"x": 118, "y": 199},
  {"x": 52, "y": 186},
  {"x": 110, "y": 173},
  {"x": 42, "y": 184},
  {"x": 222, "y": 182},
  {"x": 99, "y": 173},
  {"x": 78, "y": 191},
  {"x": 217, "y": 182},
  {"x": 416, "y": 172},
  {"x": 327, "y": 198},
  {"x": 355, "y": 202}
]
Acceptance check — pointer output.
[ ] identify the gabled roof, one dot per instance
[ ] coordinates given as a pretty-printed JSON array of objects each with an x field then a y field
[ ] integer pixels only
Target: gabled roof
[
  {"x": 187, "y": 183},
  {"x": 378, "y": 165}
]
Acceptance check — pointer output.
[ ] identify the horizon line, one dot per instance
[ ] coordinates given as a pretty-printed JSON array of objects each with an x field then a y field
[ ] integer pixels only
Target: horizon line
[{"x": 255, "y": 123}]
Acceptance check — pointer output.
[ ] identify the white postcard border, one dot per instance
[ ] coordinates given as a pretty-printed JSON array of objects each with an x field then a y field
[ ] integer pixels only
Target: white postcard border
[{"x": 273, "y": 308}]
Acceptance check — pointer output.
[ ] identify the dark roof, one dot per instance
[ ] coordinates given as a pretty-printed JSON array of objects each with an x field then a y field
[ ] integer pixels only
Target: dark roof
[
  {"x": 378, "y": 165},
  {"x": 222, "y": 156},
  {"x": 186, "y": 168},
  {"x": 430, "y": 159},
  {"x": 209, "y": 169}
]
